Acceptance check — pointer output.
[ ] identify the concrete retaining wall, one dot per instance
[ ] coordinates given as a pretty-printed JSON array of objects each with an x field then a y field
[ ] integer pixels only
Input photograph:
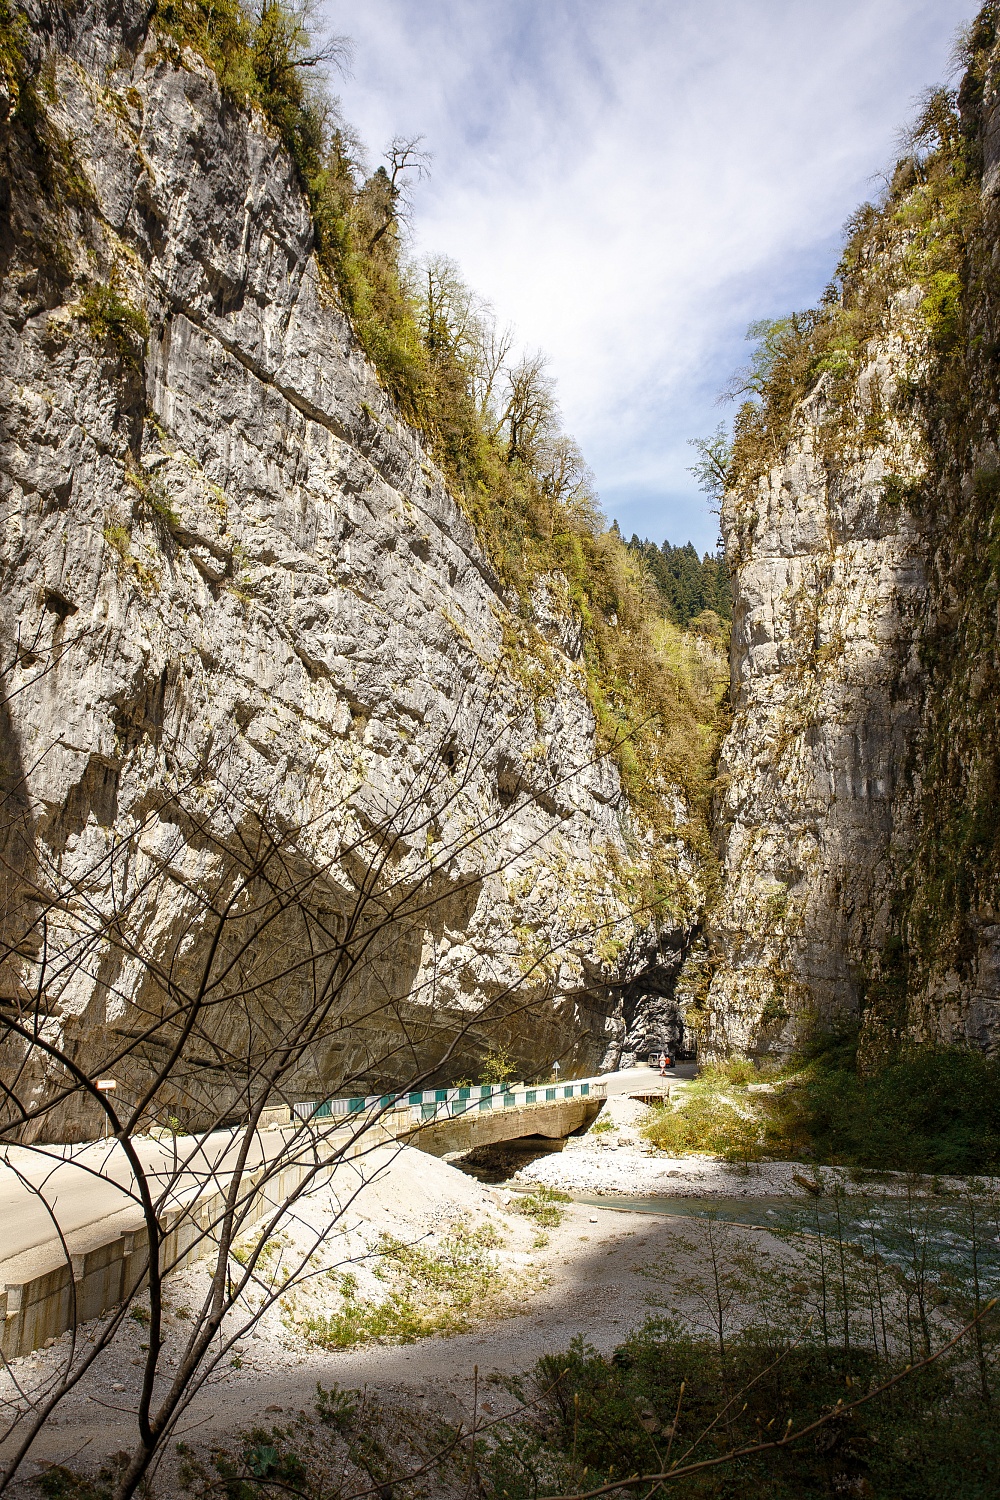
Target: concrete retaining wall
[
  {"x": 64, "y": 1296},
  {"x": 100, "y": 1277}
]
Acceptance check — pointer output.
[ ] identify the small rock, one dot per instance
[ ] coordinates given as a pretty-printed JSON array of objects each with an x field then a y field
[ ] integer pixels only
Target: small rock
[
  {"x": 272, "y": 1408},
  {"x": 117, "y": 1386},
  {"x": 48, "y": 1343}
]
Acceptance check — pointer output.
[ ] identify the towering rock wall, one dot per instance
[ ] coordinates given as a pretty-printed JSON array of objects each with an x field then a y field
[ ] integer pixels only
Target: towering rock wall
[
  {"x": 858, "y": 785},
  {"x": 830, "y": 580},
  {"x": 234, "y": 584}
]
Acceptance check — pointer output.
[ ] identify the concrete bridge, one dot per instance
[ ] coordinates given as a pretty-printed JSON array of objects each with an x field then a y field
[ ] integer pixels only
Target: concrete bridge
[
  {"x": 556, "y": 1120},
  {"x": 49, "y": 1282}
]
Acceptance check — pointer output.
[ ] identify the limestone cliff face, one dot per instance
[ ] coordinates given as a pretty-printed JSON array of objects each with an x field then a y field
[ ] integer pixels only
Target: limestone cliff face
[
  {"x": 228, "y": 568},
  {"x": 858, "y": 789},
  {"x": 829, "y": 583}
]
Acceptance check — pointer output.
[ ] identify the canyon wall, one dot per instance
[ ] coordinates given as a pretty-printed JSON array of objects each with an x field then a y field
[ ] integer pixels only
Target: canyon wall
[
  {"x": 857, "y": 800},
  {"x": 237, "y": 594}
]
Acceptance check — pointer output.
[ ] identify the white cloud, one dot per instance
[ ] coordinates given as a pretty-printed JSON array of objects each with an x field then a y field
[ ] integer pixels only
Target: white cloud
[{"x": 631, "y": 181}]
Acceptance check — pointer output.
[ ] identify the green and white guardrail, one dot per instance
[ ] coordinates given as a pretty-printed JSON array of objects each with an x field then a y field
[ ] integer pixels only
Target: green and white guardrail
[{"x": 446, "y": 1104}]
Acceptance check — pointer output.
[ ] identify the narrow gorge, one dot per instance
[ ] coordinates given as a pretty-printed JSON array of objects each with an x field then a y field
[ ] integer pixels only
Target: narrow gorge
[
  {"x": 371, "y": 810},
  {"x": 237, "y": 574}
]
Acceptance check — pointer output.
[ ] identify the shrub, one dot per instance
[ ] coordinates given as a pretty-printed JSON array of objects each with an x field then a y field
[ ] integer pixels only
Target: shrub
[
  {"x": 114, "y": 320},
  {"x": 931, "y": 1110},
  {"x": 599, "y": 1417},
  {"x": 543, "y": 1206},
  {"x": 437, "y": 1290}
]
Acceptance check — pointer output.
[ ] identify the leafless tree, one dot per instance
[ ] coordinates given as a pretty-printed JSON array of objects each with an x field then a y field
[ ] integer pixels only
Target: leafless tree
[
  {"x": 388, "y": 190},
  {"x": 453, "y": 320},
  {"x": 528, "y": 412},
  {"x": 282, "y": 961}
]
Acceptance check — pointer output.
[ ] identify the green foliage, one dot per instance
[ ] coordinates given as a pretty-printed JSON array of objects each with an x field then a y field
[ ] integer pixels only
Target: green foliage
[
  {"x": 498, "y": 1066},
  {"x": 349, "y": 1443},
  {"x": 941, "y": 307},
  {"x": 112, "y": 319},
  {"x": 934, "y": 1109},
  {"x": 715, "y": 454},
  {"x": 898, "y": 490},
  {"x": 769, "y": 337},
  {"x": 717, "y": 1115},
  {"x": 117, "y": 536},
  {"x": 602, "y": 1418},
  {"x": 13, "y": 36},
  {"x": 687, "y": 584},
  {"x": 915, "y": 237},
  {"x": 542, "y": 1205},
  {"x": 927, "y": 1110},
  {"x": 63, "y": 1483}
]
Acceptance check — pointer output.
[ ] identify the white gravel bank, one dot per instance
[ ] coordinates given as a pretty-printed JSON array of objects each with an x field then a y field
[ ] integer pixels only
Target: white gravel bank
[
  {"x": 617, "y": 1161},
  {"x": 633, "y": 1172}
]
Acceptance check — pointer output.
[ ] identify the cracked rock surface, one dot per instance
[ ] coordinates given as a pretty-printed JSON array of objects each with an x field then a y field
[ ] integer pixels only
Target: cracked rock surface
[{"x": 227, "y": 567}]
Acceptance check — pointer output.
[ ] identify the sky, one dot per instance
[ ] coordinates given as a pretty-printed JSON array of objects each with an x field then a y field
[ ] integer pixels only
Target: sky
[{"x": 631, "y": 182}]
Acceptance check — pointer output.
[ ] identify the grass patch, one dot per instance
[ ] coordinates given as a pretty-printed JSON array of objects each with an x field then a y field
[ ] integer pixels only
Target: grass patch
[
  {"x": 543, "y": 1206},
  {"x": 440, "y": 1289},
  {"x": 929, "y": 1110}
]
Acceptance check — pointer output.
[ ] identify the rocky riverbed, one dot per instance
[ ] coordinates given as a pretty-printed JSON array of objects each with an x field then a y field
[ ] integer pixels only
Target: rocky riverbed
[
  {"x": 583, "y": 1276},
  {"x": 583, "y": 1271}
]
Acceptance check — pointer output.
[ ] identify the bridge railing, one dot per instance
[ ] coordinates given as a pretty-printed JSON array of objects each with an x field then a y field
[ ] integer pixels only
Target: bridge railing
[{"x": 446, "y": 1104}]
